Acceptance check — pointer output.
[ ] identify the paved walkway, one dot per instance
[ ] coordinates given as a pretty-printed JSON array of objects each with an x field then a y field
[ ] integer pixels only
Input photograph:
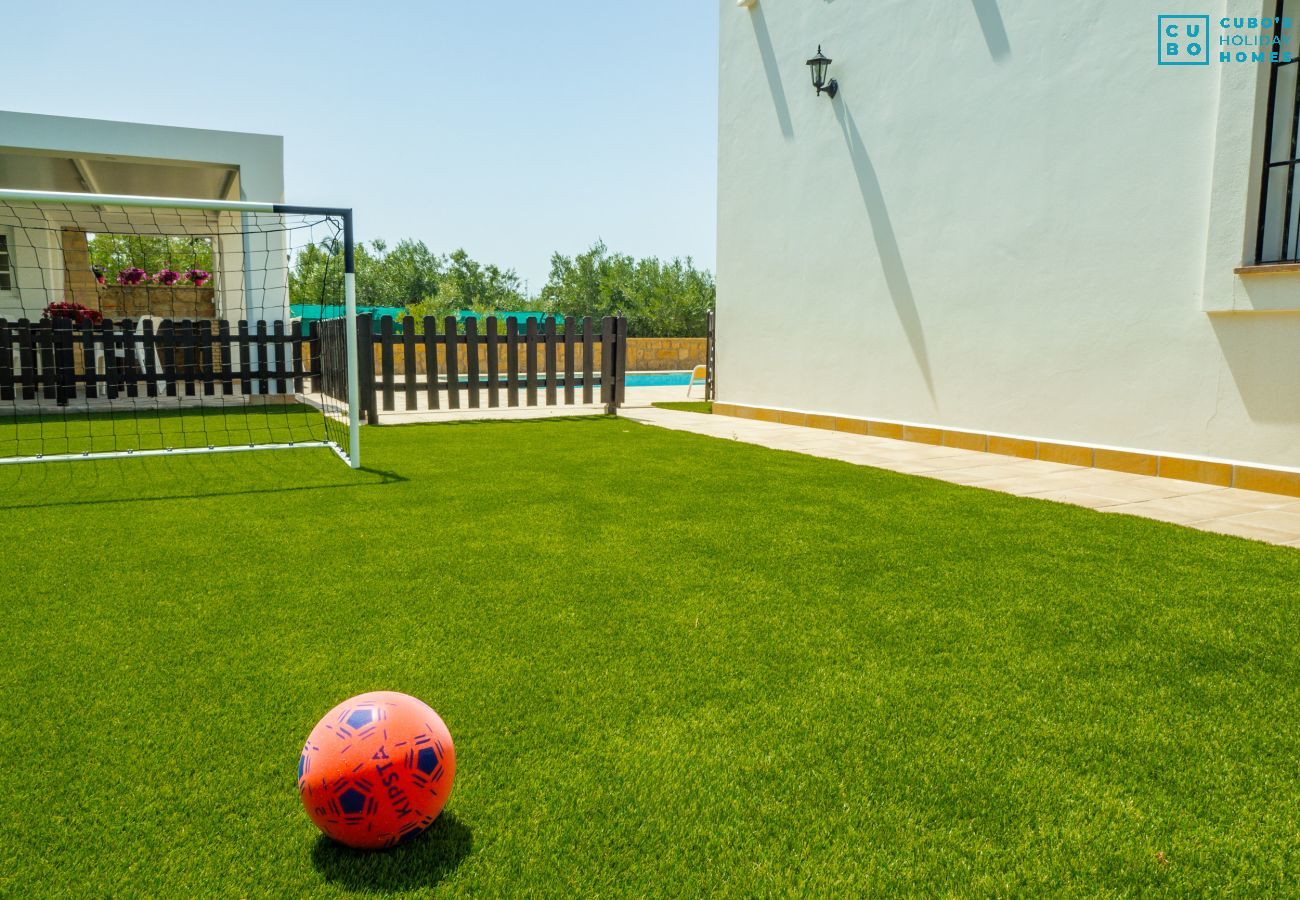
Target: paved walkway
[
  {"x": 1249, "y": 514},
  {"x": 635, "y": 397}
]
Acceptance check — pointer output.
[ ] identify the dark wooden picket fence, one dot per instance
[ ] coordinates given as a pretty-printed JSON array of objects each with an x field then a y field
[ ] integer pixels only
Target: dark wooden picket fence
[
  {"x": 552, "y": 363},
  {"x": 61, "y": 360},
  {"x": 489, "y": 365}
]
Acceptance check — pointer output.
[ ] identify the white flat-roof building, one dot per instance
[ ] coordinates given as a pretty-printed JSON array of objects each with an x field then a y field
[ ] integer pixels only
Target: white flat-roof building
[{"x": 43, "y": 255}]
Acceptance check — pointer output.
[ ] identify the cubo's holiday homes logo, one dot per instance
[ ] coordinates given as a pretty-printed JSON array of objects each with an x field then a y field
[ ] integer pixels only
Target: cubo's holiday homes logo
[
  {"x": 1182, "y": 40},
  {"x": 1188, "y": 41}
]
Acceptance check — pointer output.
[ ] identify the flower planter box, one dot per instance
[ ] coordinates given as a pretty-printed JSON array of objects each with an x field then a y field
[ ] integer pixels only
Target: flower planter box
[{"x": 180, "y": 301}]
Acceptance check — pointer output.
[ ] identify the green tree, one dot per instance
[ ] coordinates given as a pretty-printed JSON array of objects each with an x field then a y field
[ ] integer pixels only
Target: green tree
[
  {"x": 470, "y": 286},
  {"x": 486, "y": 288},
  {"x": 115, "y": 252},
  {"x": 317, "y": 274},
  {"x": 409, "y": 276},
  {"x": 408, "y": 273},
  {"x": 659, "y": 299}
]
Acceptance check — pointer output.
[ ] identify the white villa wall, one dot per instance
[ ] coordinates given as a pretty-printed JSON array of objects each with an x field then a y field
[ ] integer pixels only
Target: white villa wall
[
  {"x": 1010, "y": 220},
  {"x": 35, "y": 255}
]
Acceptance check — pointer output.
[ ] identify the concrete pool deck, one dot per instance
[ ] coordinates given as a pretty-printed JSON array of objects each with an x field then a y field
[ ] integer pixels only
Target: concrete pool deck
[
  {"x": 635, "y": 398},
  {"x": 1273, "y": 518}
]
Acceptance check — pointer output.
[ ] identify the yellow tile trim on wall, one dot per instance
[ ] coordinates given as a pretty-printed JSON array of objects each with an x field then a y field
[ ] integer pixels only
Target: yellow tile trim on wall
[{"x": 1203, "y": 471}]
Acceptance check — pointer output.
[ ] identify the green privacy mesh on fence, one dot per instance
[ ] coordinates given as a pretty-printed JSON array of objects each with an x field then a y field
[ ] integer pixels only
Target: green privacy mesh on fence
[{"x": 316, "y": 312}]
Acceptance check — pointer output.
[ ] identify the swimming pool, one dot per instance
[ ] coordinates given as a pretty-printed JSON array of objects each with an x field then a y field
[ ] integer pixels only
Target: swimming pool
[
  {"x": 658, "y": 379},
  {"x": 634, "y": 379}
]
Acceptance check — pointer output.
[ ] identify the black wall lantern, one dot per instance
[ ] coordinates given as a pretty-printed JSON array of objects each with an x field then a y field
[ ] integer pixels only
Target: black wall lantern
[{"x": 819, "y": 65}]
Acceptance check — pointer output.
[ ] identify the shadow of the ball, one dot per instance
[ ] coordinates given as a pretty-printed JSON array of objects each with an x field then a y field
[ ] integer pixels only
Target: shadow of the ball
[{"x": 422, "y": 861}]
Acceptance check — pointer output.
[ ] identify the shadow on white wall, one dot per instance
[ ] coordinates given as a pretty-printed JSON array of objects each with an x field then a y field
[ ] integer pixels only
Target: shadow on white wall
[
  {"x": 882, "y": 229},
  {"x": 772, "y": 70},
  {"x": 995, "y": 31},
  {"x": 1261, "y": 352}
]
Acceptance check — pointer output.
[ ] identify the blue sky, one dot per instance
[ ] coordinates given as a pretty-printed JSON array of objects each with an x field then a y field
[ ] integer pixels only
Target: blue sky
[{"x": 511, "y": 128}]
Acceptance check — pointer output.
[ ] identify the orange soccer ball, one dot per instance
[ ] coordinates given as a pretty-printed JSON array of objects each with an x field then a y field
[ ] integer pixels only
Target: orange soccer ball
[{"x": 376, "y": 770}]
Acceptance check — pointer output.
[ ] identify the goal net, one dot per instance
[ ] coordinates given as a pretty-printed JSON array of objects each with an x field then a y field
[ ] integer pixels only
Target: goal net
[{"x": 134, "y": 326}]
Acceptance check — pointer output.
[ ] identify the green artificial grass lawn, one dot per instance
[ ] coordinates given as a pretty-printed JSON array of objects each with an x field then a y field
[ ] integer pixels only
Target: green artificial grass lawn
[
  {"x": 695, "y": 406},
  {"x": 671, "y": 665}
]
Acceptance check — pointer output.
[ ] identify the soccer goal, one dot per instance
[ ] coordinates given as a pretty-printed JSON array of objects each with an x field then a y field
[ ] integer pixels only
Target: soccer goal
[{"x": 147, "y": 326}]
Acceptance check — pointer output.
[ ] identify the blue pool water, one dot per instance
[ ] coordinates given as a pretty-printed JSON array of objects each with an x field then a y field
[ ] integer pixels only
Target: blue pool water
[
  {"x": 657, "y": 379},
  {"x": 634, "y": 379}
]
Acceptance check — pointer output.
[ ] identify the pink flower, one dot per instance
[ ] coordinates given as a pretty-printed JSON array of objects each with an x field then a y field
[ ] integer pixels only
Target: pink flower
[{"x": 78, "y": 313}]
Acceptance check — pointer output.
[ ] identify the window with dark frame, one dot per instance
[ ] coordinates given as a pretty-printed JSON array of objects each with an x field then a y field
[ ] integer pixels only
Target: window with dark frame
[
  {"x": 1277, "y": 238},
  {"x": 6, "y": 265}
]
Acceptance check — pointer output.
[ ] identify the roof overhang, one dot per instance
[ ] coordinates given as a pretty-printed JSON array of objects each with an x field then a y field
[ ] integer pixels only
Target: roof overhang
[
  {"x": 52, "y": 170},
  {"x": 56, "y": 153}
]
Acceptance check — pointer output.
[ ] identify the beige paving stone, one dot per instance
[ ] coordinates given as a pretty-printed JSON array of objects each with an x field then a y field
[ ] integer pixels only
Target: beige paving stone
[
  {"x": 1153, "y": 509},
  {"x": 1240, "y": 529},
  {"x": 1191, "y": 488},
  {"x": 976, "y": 459},
  {"x": 1136, "y": 492},
  {"x": 1075, "y": 497},
  {"x": 841, "y": 444},
  {"x": 1037, "y": 467},
  {"x": 976, "y": 475},
  {"x": 935, "y": 451},
  {"x": 1272, "y": 519},
  {"x": 1008, "y": 470},
  {"x": 1203, "y": 506},
  {"x": 1029, "y": 486},
  {"x": 1254, "y": 499},
  {"x": 1106, "y": 476},
  {"x": 908, "y": 468},
  {"x": 838, "y": 453},
  {"x": 1249, "y": 514},
  {"x": 876, "y": 463},
  {"x": 1001, "y": 485}
]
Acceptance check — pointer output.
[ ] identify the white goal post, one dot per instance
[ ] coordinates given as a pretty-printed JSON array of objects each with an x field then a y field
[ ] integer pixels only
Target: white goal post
[{"x": 109, "y": 350}]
